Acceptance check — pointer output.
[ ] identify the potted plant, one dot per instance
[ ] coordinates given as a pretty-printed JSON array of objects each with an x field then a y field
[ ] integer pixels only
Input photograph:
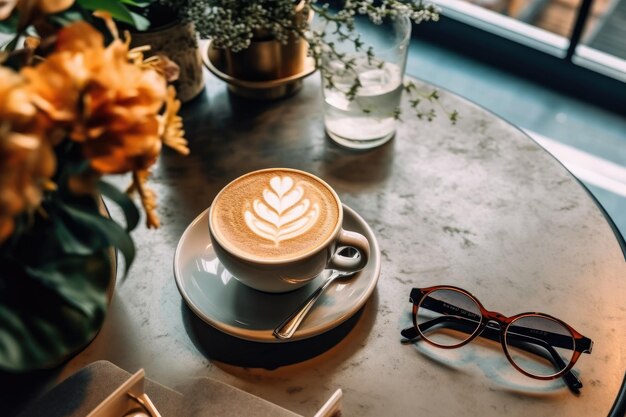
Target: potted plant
[{"x": 85, "y": 109}]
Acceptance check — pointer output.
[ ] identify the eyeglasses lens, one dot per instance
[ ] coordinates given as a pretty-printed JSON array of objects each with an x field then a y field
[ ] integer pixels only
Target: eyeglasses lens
[
  {"x": 539, "y": 345},
  {"x": 447, "y": 318}
]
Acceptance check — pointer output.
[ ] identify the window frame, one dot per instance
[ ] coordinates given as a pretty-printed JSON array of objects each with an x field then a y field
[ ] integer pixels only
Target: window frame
[{"x": 559, "y": 63}]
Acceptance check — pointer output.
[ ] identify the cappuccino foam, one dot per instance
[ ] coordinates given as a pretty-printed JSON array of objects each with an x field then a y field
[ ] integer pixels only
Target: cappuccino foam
[{"x": 274, "y": 214}]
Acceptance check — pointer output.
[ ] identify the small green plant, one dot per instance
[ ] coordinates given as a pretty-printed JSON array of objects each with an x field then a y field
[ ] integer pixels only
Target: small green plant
[{"x": 418, "y": 97}]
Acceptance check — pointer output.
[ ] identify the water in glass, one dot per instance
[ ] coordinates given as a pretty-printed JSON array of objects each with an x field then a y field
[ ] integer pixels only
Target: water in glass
[{"x": 369, "y": 117}]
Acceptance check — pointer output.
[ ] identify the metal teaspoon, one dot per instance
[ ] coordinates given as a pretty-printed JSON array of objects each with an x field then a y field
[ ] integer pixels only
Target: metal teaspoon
[{"x": 288, "y": 327}]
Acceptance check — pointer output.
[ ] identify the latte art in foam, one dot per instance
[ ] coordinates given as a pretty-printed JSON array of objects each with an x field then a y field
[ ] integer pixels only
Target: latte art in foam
[
  {"x": 275, "y": 214},
  {"x": 283, "y": 213}
]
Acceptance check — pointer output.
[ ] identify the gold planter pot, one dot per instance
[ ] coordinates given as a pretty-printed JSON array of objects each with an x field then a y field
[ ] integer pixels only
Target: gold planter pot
[
  {"x": 267, "y": 59},
  {"x": 217, "y": 62},
  {"x": 268, "y": 68}
]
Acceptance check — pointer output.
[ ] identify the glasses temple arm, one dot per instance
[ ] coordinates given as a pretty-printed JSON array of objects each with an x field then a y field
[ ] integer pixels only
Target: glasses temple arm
[{"x": 555, "y": 339}]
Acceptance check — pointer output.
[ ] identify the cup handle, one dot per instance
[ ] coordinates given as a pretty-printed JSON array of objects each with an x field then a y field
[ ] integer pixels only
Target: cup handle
[{"x": 345, "y": 263}]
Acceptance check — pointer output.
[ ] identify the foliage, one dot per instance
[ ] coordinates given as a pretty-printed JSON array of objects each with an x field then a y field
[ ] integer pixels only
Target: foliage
[{"x": 81, "y": 111}]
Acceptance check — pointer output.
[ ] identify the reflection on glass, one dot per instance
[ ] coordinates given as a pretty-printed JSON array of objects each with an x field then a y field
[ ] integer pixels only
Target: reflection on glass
[
  {"x": 606, "y": 27},
  {"x": 603, "y": 43},
  {"x": 553, "y": 16},
  {"x": 596, "y": 28}
]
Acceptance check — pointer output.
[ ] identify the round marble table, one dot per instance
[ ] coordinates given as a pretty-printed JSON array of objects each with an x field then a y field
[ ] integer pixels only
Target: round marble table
[{"x": 477, "y": 204}]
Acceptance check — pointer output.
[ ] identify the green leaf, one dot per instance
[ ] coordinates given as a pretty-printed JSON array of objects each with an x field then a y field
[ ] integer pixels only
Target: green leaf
[
  {"x": 73, "y": 164},
  {"x": 83, "y": 232},
  {"x": 75, "y": 236},
  {"x": 51, "y": 312},
  {"x": 81, "y": 270},
  {"x": 66, "y": 17},
  {"x": 138, "y": 3},
  {"x": 131, "y": 213},
  {"x": 140, "y": 22},
  {"x": 10, "y": 45},
  {"x": 118, "y": 11},
  {"x": 9, "y": 25}
]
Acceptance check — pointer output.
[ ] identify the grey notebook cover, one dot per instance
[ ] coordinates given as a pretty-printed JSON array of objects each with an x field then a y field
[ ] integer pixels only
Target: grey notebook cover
[
  {"x": 206, "y": 397},
  {"x": 199, "y": 397},
  {"x": 83, "y": 391}
]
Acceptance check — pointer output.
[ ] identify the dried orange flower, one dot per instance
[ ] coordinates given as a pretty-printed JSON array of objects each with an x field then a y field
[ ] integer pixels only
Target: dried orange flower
[
  {"x": 54, "y": 87},
  {"x": 159, "y": 62},
  {"x": 171, "y": 133},
  {"x": 27, "y": 160},
  {"x": 146, "y": 195},
  {"x": 109, "y": 100},
  {"x": 114, "y": 104},
  {"x": 171, "y": 124},
  {"x": 44, "y": 6},
  {"x": 16, "y": 106}
]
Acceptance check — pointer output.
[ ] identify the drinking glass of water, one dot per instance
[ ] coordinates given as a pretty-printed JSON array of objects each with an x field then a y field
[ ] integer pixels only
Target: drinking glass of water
[{"x": 363, "y": 81}]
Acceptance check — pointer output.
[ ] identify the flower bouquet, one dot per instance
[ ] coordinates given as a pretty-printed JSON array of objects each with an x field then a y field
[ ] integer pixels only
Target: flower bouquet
[{"x": 83, "y": 110}]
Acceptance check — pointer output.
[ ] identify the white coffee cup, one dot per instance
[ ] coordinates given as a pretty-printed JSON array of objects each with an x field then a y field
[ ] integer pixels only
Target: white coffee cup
[{"x": 277, "y": 229}]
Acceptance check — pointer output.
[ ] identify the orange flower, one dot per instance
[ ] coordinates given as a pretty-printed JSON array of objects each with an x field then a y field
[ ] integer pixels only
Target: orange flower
[
  {"x": 16, "y": 106},
  {"x": 44, "y": 6},
  {"x": 108, "y": 100},
  {"x": 107, "y": 103},
  {"x": 159, "y": 62},
  {"x": 171, "y": 126},
  {"x": 57, "y": 83},
  {"x": 54, "y": 84},
  {"x": 26, "y": 159},
  {"x": 146, "y": 195},
  {"x": 120, "y": 126}
]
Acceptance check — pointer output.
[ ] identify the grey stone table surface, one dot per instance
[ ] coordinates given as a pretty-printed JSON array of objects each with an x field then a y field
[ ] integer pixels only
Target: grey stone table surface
[{"x": 477, "y": 204}]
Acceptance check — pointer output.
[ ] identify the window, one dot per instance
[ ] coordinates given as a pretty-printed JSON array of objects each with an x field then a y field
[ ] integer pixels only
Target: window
[{"x": 587, "y": 33}]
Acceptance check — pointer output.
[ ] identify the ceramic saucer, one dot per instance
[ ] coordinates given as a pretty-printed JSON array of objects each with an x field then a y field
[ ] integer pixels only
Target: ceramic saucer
[
  {"x": 215, "y": 296},
  {"x": 215, "y": 61}
]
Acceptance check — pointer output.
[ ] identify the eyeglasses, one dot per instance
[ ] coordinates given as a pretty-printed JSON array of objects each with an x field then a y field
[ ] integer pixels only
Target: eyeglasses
[{"x": 536, "y": 344}]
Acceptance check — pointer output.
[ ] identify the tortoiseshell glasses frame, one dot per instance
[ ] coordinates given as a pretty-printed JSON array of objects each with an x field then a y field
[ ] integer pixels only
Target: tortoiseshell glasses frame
[{"x": 509, "y": 331}]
